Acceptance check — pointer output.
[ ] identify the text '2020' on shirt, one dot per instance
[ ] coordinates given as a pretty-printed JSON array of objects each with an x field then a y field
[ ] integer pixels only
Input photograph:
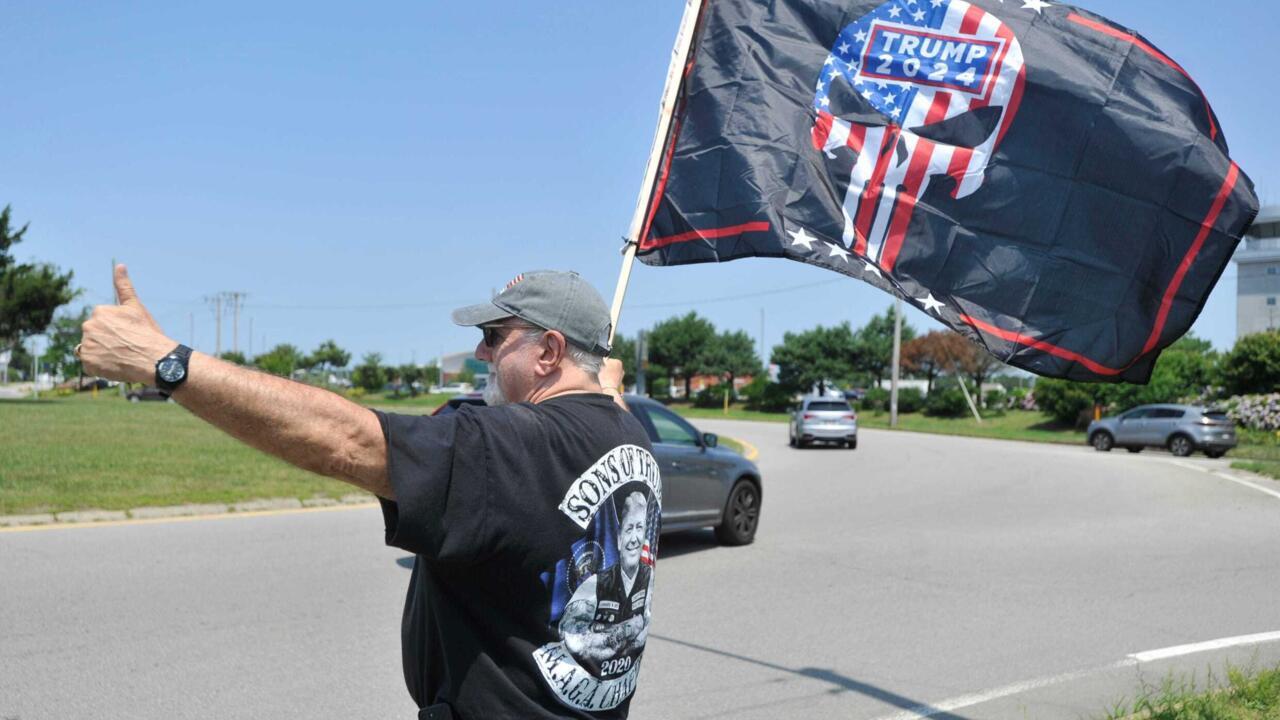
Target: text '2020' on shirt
[{"x": 536, "y": 531}]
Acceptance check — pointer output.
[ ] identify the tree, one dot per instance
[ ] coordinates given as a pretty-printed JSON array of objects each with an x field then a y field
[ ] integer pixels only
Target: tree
[
  {"x": 369, "y": 374},
  {"x": 816, "y": 356},
  {"x": 328, "y": 356},
  {"x": 733, "y": 354},
  {"x": 29, "y": 293},
  {"x": 64, "y": 335},
  {"x": 279, "y": 360},
  {"x": 874, "y": 345},
  {"x": 431, "y": 374},
  {"x": 624, "y": 349},
  {"x": 970, "y": 360},
  {"x": 407, "y": 375},
  {"x": 1253, "y": 365},
  {"x": 680, "y": 344},
  {"x": 930, "y": 354},
  {"x": 234, "y": 356}
]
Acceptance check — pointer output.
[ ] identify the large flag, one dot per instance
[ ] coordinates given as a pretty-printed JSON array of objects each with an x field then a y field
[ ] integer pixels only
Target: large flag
[{"x": 1040, "y": 179}]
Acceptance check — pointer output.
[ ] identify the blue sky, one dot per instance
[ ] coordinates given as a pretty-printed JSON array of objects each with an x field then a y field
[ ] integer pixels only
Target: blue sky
[{"x": 359, "y": 170}]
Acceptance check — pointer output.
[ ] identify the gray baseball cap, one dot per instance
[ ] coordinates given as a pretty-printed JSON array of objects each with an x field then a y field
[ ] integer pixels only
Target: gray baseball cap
[{"x": 550, "y": 299}]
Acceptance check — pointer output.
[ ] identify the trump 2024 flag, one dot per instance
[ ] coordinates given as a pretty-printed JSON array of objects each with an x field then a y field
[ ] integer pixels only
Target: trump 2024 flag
[{"x": 1038, "y": 178}]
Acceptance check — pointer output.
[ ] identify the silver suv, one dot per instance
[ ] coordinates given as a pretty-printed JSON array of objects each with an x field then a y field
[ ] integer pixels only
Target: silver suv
[
  {"x": 1181, "y": 428},
  {"x": 824, "y": 419}
]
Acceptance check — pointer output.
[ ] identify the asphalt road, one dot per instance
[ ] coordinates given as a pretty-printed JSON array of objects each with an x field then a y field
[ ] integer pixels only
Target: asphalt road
[{"x": 917, "y": 576}]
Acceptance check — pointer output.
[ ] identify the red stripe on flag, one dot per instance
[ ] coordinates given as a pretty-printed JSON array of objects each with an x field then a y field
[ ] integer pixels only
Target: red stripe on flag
[
  {"x": 709, "y": 234},
  {"x": 822, "y": 130},
  {"x": 972, "y": 19},
  {"x": 962, "y": 156},
  {"x": 875, "y": 185},
  {"x": 857, "y": 137},
  {"x": 1138, "y": 42},
  {"x": 916, "y": 174},
  {"x": 1214, "y": 211},
  {"x": 1041, "y": 345},
  {"x": 1019, "y": 84}
]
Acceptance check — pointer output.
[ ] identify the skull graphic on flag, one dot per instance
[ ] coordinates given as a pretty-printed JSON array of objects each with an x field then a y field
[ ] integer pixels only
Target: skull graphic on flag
[{"x": 905, "y": 97}]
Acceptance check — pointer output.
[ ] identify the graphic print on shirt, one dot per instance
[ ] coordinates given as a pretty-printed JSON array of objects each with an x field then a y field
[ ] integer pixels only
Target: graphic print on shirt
[{"x": 602, "y": 590}]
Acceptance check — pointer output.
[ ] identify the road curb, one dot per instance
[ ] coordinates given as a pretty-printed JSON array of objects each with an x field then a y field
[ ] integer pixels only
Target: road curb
[
  {"x": 749, "y": 451},
  {"x": 259, "y": 506}
]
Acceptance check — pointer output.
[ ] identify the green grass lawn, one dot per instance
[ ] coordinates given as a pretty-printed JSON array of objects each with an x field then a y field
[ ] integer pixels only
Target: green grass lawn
[
  {"x": 1246, "y": 695},
  {"x": 1258, "y": 452},
  {"x": 78, "y": 452}
]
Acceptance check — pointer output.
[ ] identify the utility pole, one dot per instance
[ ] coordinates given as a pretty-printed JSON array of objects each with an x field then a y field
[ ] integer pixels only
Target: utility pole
[
  {"x": 237, "y": 301},
  {"x": 250, "y": 355},
  {"x": 642, "y": 358},
  {"x": 897, "y": 356},
  {"x": 763, "y": 359},
  {"x": 216, "y": 302}
]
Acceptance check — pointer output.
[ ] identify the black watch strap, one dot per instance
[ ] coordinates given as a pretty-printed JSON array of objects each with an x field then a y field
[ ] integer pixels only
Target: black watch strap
[{"x": 179, "y": 356}]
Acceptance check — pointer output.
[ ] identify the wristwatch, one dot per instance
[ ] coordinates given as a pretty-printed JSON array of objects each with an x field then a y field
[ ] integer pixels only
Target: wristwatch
[{"x": 171, "y": 370}]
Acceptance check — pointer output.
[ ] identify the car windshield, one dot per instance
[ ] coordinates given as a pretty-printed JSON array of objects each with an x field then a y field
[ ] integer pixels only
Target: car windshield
[{"x": 829, "y": 406}]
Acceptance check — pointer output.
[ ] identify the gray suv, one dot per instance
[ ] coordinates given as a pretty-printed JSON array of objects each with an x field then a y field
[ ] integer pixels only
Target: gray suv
[
  {"x": 824, "y": 419},
  {"x": 1181, "y": 428}
]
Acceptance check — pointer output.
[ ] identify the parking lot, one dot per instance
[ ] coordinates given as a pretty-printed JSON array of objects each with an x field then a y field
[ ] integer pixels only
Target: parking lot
[{"x": 919, "y": 575}]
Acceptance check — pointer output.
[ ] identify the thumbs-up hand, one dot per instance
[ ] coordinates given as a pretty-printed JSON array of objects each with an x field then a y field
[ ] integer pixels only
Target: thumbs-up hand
[{"x": 123, "y": 342}]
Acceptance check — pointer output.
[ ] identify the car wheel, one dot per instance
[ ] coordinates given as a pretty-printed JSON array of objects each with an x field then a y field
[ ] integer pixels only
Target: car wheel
[
  {"x": 1102, "y": 441},
  {"x": 1215, "y": 454},
  {"x": 1181, "y": 446},
  {"x": 741, "y": 515},
  {"x": 852, "y": 444},
  {"x": 791, "y": 439},
  {"x": 1134, "y": 449}
]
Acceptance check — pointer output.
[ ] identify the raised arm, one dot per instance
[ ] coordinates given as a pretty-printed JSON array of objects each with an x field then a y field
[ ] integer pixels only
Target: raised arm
[{"x": 306, "y": 426}]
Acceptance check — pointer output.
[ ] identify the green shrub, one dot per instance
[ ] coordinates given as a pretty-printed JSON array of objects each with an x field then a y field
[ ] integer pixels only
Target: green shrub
[
  {"x": 946, "y": 402},
  {"x": 994, "y": 398},
  {"x": 711, "y": 396},
  {"x": 876, "y": 399},
  {"x": 1066, "y": 401},
  {"x": 765, "y": 396},
  {"x": 910, "y": 400}
]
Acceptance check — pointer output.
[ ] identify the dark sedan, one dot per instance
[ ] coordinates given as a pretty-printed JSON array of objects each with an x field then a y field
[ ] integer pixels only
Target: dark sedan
[{"x": 703, "y": 485}]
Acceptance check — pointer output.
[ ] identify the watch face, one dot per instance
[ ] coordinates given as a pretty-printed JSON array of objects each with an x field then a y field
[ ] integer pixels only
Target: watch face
[{"x": 171, "y": 370}]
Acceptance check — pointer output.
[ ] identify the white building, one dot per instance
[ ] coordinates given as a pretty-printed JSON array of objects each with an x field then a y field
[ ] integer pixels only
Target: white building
[{"x": 1258, "y": 283}]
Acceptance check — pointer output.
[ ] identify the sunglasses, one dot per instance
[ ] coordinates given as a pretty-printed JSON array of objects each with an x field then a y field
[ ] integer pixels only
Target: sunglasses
[{"x": 493, "y": 334}]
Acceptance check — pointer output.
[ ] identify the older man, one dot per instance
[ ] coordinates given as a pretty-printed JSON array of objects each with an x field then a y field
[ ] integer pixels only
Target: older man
[{"x": 492, "y": 500}]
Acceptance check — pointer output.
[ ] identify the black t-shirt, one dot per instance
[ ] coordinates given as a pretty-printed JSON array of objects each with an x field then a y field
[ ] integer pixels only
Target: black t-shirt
[{"x": 512, "y": 512}]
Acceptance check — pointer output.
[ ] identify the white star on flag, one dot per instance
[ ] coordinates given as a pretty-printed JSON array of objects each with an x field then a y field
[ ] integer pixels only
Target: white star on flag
[
  {"x": 803, "y": 238},
  {"x": 895, "y": 11},
  {"x": 861, "y": 36},
  {"x": 917, "y": 15},
  {"x": 932, "y": 304},
  {"x": 1037, "y": 5},
  {"x": 835, "y": 250},
  {"x": 869, "y": 268},
  {"x": 844, "y": 48},
  {"x": 938, "y": 3}
]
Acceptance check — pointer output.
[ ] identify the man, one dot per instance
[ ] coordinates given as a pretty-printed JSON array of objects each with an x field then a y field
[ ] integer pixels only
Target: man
[
  {"x": 492, "y": 500},
  {"x": 607, "y": 621}
]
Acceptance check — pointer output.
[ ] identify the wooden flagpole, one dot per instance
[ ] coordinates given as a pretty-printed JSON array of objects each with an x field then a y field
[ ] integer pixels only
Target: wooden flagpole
[{"x": 675, "y": 75}]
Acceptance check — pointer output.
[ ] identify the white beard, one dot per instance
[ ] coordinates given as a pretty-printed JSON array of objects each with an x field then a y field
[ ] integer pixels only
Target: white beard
[{"x": 492, "y": 392}]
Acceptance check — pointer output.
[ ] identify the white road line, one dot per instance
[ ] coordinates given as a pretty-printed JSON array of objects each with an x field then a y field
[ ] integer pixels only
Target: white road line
[
  {"x": 1225, "y": 476},
  {"x": 1177, "y": 650},
  {"x": 1246, "y": 483},
  {"x": 963, "y": 701}
]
